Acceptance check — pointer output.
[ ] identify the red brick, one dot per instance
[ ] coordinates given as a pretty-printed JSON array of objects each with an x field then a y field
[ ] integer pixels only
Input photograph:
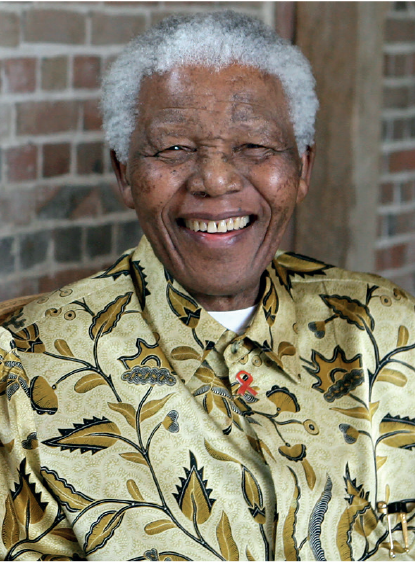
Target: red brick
[
  {"x": 396, "y": 97},
  {"x": 401, "y": 65},
  {"x": 54, "y": 26},
  {"x": 92, "y": 120},
  {"x": 56, "y": 159},
  {"x": 90, "y": 158},
  {"x": 21, "y": 163},
  {"x": 400, "y": 30},
  {"x": 9, "y": 29},
  {"x": 45, "y": 117},
  {"x": 157, "y": 17},
  {"x": 61, "y": 278},
  {"x": 391, "y": 258},
  {"x": 399, "y": 128},
  {"x": 19, "y": 288},
  {"x": 109, "y": 29},
  {"x": 20, "y": 75},
  {"x": 386, "y": 193},
  {"x": 405, "y": 222},
  {"x": 86, "y": 72},
  {"x": 407, "y": 191},
  {"x": 90, "y": 206},
  {"x": 403, "y": 160},
  {"x": 55, "y": 73},
  {"x": 388, "y": 65},
  {"x": 15, "y": 209}
]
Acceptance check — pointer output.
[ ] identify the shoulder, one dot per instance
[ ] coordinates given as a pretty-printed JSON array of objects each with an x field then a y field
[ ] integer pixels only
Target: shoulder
[
  {"x": 304, "y": 276},
  {"x": 95, "y": 291}
]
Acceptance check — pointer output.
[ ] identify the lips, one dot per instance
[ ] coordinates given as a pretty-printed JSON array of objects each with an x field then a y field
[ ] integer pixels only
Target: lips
[{"x": 221, "y": 226}]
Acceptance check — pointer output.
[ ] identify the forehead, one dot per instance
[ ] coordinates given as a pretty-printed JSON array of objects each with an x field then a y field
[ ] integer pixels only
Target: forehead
[{"x": 242, "y": 93}]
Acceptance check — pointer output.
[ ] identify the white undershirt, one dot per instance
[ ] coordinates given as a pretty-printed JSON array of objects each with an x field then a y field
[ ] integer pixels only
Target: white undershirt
[{"x": 235, "y": 320}]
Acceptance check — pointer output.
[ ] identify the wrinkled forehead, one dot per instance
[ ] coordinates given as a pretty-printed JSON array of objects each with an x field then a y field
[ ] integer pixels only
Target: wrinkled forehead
[{"x": 244, "y": 93}]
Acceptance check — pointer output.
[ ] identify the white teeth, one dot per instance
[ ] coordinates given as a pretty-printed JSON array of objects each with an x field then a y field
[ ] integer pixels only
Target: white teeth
[
  {"x": 234, "y": 223},
  {"x": 222, "y": 226},
  {"x": 212, "y": 227}
]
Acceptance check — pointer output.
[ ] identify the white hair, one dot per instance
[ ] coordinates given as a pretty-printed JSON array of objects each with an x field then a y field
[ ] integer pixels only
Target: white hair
[{"x": 216, "y": 39}]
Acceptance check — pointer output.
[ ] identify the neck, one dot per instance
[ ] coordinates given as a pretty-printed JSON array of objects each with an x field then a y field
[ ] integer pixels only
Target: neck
[{"x": 223, "y": 303}]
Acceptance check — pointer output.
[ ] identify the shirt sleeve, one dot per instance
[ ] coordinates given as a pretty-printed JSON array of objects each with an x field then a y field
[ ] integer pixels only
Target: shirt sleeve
[{"x": 33, "y": 524}]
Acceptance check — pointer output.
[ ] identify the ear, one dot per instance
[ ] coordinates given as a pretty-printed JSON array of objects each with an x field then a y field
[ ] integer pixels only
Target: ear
[
  {"x": 124, "y": 186},
  {"x": 307, "y": 162}
]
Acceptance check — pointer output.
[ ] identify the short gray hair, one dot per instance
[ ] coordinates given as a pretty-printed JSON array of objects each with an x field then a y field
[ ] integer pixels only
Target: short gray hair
[{"x": 215, "y": 39}]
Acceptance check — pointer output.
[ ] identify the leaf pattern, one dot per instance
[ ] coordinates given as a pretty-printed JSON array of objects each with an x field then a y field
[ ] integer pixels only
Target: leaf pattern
[
  {"x": 270, "y": 303},
  {"x": 63, "y": 348},
  {"x": 134, "y": 457},
  {"x": 156, "y": 527},
  {"x": 134, "y": 490},
  {"x": 27, "y": 502},
  {"x": 184, "y": 307},
  {"x": 42, "y": 396},
  {"x": 351, "y": 310},
  {"x": 66, "y": 533},
  {"x": 88, "y": 382},
  {"x": 337, "y": 376},
  {"x": 127, "y": 411},
  {"x": 10, "y": 527},
  {"x": 68, "y": 496},
  {"x": 287, "y": 265},
  {"x": 102, "y": 530},
  {"x": 227, "y": 544},
  {"x": 92, "y": 435},
  {"x": 107, "y": 319},
  {"x": 289, "y": 532},
  {"x": 359, "y": 411},
  {"x": 397, "y": 432},
  {"x": 185, "y": 352},
  {"x": 152, "y": 407},
  {"x": 193, "y": 495},
  {"x": 392, "y": 376}
]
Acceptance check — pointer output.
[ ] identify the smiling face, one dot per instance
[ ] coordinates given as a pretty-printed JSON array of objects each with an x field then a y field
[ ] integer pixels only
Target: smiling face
[{"x": 214, "y": 175}]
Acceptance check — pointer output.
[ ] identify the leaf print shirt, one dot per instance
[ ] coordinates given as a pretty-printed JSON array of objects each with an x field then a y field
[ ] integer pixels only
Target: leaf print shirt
[{"x": 136, "y": 427}]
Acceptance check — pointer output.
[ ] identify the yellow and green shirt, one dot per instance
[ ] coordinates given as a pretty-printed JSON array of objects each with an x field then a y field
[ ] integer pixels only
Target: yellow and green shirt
[{"x": 136, "y": 427}]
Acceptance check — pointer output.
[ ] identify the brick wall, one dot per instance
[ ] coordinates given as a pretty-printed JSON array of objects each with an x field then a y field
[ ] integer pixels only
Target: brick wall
[
  {"x": 395, "y": 247},
  {"x": 60, "y": 215}
]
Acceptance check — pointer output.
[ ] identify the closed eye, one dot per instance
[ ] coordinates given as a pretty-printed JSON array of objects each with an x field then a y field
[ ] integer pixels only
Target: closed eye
[{"x": 253, "y": 150}]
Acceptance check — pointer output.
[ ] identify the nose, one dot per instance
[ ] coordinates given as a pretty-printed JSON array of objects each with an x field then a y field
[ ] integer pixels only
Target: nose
[{"x": 215, "y": 175}]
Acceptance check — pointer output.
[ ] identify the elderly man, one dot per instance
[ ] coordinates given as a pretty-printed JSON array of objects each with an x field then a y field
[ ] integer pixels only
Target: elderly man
[{"x": 203, "y": 399}]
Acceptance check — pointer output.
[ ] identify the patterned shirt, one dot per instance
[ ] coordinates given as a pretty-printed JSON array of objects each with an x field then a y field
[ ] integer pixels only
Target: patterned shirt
[{"x": 136, "y": 427}]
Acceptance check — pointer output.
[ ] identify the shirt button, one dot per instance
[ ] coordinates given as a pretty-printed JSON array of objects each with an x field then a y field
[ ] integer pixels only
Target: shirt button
[
  {"x": 256, "y": 361},
  {"x": 235, "y": 346}
]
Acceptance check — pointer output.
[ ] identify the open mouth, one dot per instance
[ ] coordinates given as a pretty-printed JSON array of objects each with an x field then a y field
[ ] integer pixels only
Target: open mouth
[{"x": 233, "y": 223}]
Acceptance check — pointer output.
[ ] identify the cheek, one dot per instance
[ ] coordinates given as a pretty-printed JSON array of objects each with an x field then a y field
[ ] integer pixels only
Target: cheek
[
  {"x": 278, "y": 185},
  {"x": 154, "y": 191}
]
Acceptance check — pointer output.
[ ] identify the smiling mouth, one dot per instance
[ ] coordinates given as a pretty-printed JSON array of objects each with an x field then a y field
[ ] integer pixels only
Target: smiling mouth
[{"x": 234, "y": 223}]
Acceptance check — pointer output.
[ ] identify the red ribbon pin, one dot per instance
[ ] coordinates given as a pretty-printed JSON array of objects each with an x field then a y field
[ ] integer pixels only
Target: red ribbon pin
[{"x": 245, "y": 379}]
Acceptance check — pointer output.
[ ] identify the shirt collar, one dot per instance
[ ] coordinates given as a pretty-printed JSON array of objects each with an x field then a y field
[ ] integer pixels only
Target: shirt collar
[{"x": 187, "y": 332}]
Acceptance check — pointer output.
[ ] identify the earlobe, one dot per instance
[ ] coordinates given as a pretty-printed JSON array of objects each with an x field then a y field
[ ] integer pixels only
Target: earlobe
[
  {"x": 120, "y": 171},
  {"x": 307, "y": 162}
]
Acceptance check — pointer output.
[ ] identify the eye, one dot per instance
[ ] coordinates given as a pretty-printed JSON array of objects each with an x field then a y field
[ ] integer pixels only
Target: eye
[
  {"x": 252, "y": 150},
  {"x": 174, "y": 151}
]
